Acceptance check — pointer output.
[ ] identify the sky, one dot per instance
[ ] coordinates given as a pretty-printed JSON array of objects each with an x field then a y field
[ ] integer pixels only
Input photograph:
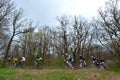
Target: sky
[{"x": 46, "y": 11}]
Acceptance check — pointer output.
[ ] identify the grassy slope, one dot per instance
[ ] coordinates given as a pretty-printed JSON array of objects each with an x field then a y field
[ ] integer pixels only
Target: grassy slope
[{"x": 58, "y": 74}]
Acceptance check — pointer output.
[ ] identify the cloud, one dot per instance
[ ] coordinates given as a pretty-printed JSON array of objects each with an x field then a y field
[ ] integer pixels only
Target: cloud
[{"x": 45, "y": 11}]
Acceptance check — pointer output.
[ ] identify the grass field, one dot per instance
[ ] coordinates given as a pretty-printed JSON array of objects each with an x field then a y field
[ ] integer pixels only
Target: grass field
[{"x": 58, "y": 74}]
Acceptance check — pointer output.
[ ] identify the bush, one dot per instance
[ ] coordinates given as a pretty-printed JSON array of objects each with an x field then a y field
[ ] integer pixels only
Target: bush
[
  {"x": 117, "y": 64},
  {"x": 53, "y": 62}
]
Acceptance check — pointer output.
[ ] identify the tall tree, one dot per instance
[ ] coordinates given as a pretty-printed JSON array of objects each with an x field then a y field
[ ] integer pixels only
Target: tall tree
[
  {"x": 18, "y": 27},
  {"x": 108, "y": 27},
  {"x": 6, "y": 8},
  {"x": 81, "y": 38},
  {"x": 63, "y": 37}
]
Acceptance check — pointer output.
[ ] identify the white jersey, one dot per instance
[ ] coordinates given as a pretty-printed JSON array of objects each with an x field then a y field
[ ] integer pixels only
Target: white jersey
[{"x": 23, "y": 59}]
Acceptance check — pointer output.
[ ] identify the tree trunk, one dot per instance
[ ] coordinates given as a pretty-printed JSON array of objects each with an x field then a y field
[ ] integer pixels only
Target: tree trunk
[{"x": 7, "y": 51}]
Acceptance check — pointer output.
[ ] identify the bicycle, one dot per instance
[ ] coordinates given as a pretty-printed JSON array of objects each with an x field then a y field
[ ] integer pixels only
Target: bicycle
[{"x": 67, "y": 65}]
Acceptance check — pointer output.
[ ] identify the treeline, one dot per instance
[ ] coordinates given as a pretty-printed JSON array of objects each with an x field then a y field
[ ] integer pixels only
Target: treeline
[{"x": 74, "y": 35}]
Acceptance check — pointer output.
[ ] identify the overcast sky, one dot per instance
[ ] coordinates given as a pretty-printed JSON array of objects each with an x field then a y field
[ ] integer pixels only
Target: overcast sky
[{"x": 46, "y": 11}]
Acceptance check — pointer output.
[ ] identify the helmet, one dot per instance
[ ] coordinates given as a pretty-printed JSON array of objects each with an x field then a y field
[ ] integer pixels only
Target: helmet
[{"x": 66, "y": 54}]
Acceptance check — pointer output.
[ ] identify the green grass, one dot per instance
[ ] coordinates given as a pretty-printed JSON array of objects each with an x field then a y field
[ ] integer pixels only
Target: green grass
[
  {"x": 116, "y": 70},
  {"x": 6, "y": 73},
  {"x": 57, "y": 74}
]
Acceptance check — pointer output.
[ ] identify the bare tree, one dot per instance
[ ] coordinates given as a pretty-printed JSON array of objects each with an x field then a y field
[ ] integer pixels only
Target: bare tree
[
  {"x": 63, "y": 37},
  {"x": 46, "y": 41},
  {"x": 108, "y": 27},
  {"x": 81, "y": 38},
  {"x": 17, "y": 28},
  {"x": 6, "y": 8}
]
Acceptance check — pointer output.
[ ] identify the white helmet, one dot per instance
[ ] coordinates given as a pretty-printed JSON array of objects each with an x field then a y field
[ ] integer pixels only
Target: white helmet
[{"x": 66, "y": 54}]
